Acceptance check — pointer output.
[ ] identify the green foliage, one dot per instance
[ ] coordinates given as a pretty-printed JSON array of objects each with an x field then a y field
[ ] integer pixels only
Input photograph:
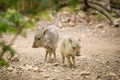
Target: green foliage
[
  {"x": 3, "y": 62},
  {"x": 5, "y": 4},
  {"x": 100, "y": 17},
  {"x": 112, "y": 14},
  {"x": 45, "y": 4},
  {"x": 58, "y": 4},
  {"x": 45, "y": 15},
  {"x": 12, "y": 22},
  {"x": 74, "y": 4},
  {"x": 3, "y": 49}
]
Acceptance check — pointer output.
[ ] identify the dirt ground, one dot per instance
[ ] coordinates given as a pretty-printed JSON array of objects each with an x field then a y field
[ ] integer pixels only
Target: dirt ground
[{"x": 99, "y": 60}]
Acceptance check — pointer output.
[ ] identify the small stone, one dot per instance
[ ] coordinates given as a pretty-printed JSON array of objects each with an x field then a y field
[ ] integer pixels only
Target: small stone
[
  {"x": 46, "y": 76},
  {"x": 83, "y": 35},
  {"x": 99, "y": 25},
  {"x": 65, "y": 20},
  {"x": 85, "y": 73},
  {"x": 91, "y": 23},
  {"x": 116, "y": 24},
  {"x": 36, "y": 69},
  {"x": 55, "y": 64},
  {"x": 60, "y": 25},
  {"x": 15, "y": 58},
  {"x": 112, "y": 74},
  {"x": 65, "y": 12},
  {"x": 14, "y": 45},
  {"x": 10, "y": 69},
  {"x": 72, "y": 24}
]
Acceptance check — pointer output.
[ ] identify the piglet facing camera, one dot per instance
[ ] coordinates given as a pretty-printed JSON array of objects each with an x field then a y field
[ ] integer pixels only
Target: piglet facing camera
[{"x": 69, "y": 48}]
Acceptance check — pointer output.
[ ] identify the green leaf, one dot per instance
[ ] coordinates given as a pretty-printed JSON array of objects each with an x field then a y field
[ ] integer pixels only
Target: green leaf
[
  {"x": 3, "y": 62},
  {"x": 45, "y": 15},
  {"x": 8, "y": 48}
]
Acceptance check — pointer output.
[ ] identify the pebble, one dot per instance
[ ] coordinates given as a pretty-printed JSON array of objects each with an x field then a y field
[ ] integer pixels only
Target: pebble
[
  {"x": 72, "y": 24},
  {"x": 55, "y": 64},
  {"x": 112, "y": 74},
  {"x": 65, "y": 12},
  {"x": 36, "y": 69},
  {"x": 15, "y": 58},
  {"x": 46, "y": 76},
  {"x": 99, "y": 25},
  {"x": 10, "y": 69},
  {"x": 85, "y": 73}
]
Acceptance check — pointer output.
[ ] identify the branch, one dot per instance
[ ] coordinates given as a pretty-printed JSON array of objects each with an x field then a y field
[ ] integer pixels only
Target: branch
[
  {"x": 103, "y": 11},
  {"x": 100, "y": 9},
  {"x": 15, "y": 37},
  {"x": 86, "y": 6}
]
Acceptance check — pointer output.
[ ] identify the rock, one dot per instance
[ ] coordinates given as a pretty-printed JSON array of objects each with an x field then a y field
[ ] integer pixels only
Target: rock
[
  {"x": 111, "y": 74},
  {"x": 65, "y": 12},
  {"x": 60, "y": 25},
  {"x": 91, "y": 23},
  {"x": 85, "y": 73},
  {"x": 72, "y": 24},
  {"x": 55, "y": 64},
  {"x": 14, "y": 46},
  {"x": 36, "y": 69},
  {"x": 10, "y": 69},
  {"x": 116, "y": 24},
  {"x": 65, "y": 20},
  {"x": 83, "y": 35},
  {"x": 46, "y": 76},
  {"x": 99, "y": 25},
  {"x": 117, "y": 20},
  {"x": 15, "y": 58}
]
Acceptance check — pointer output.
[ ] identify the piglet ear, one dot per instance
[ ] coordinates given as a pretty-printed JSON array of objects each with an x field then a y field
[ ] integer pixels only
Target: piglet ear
[
  {"x": 70, "y": 40},
  {"x": 45, "y": 31}
]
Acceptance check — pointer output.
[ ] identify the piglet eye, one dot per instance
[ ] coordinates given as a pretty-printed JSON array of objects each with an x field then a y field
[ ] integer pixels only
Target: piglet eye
[{"x": 39, "y": 38}]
